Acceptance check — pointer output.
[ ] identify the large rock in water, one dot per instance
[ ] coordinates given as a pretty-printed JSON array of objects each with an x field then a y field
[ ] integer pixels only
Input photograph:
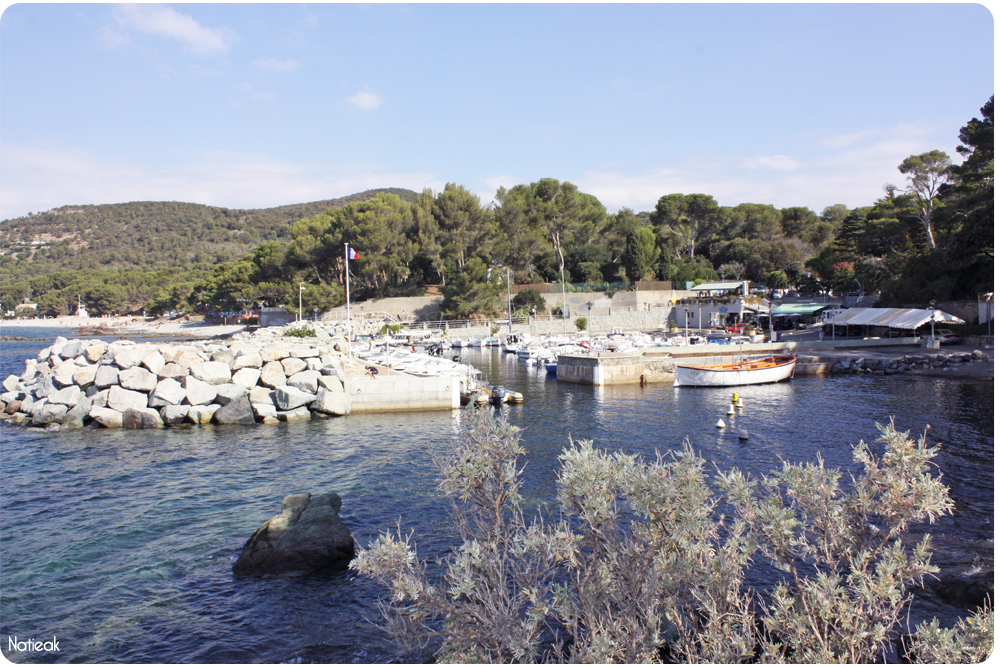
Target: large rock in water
[{"x": 307, "y": 535}]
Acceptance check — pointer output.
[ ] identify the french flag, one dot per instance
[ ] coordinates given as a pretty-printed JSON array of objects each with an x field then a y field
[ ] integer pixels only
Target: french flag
[{"x": 352, "y": 253}]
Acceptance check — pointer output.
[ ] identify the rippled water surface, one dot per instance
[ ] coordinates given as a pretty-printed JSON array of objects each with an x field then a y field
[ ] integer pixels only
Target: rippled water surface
[{"x": 121, "y": 543}]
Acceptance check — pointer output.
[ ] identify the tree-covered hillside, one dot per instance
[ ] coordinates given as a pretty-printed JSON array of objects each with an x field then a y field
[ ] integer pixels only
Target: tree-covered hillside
[
  {"x": 137, "y": 246},
  {"x": 151, "y": 234}
]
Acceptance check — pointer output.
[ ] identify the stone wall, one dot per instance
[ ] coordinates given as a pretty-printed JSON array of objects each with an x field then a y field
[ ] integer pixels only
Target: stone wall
[{"x": 979, "y": 341}]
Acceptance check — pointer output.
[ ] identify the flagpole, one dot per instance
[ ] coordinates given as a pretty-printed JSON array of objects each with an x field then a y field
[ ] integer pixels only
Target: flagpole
[{"x": 347, "y": 277}]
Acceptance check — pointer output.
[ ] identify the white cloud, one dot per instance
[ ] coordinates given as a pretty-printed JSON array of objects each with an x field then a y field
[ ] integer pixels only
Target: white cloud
[
  {"x": 365, "y": 101},
  {"x": 33, "y": 179},
  {"x": 776, "y": 162},
  {"x": 848, "y": 169},
  {"x": 640, "y": 192},
  {"x": 165, "y": 22},
  {"x": 275, "y": 65},
  {"x": 114, "y": 37},
  {"x": 847, "y": 139}
]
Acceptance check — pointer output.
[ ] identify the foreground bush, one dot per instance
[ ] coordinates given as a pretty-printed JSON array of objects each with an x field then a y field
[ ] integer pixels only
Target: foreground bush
[{"x": 642, "y": 564}]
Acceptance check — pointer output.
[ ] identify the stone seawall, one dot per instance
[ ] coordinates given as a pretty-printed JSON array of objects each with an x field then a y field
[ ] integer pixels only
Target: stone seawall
[{"x": 654, "y": 319}]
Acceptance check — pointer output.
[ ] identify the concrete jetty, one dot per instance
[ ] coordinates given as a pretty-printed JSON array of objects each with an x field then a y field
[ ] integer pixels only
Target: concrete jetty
[{"x": 655, "y": 365}]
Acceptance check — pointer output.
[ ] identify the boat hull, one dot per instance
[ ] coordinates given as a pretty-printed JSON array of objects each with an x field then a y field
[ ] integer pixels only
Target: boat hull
[{"x": 733, "y": 375}]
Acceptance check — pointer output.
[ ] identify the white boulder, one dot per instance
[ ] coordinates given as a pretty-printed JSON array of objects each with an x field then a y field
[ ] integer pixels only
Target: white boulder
[{"x": 121, "y": 399}]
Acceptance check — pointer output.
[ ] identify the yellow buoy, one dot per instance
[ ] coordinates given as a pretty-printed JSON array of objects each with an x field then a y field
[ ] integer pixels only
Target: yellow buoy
[
  {"x": 720, "y": 424},
  {"x": 736, "y": 397}
]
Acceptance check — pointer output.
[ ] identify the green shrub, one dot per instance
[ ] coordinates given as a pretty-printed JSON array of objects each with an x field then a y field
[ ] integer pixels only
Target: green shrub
[
  {"x": 581, "y": 323},
  {"x": 666, "y": 578},
  {"x": 301, "y": 332},
  {"x": 527, "y": 299}
]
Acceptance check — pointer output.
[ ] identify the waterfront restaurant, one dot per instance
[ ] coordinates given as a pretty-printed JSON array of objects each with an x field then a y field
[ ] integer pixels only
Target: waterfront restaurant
[{"x": 883, "y": 320}]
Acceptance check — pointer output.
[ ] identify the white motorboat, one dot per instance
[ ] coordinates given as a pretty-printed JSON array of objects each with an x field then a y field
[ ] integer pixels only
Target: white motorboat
[
  {"x": 514, "y": 342},
  {"x": 759, "y": 370}
]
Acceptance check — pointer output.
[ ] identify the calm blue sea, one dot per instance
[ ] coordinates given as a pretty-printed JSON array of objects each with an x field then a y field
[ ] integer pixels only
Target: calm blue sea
[{"x": 121, "y": 543}]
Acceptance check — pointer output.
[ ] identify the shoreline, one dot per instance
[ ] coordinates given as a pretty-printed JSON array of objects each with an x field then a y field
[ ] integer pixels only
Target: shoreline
[{"x": 124, "y": 326}]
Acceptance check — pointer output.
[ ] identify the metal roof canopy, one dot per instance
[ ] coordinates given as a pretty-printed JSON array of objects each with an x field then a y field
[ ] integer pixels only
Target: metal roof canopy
[
  {"x": 893, "y": 318},
  {"x": 706, "y": 287},
  {"x": 755, "y": 307},
  {"x": 798, "y": 308}
]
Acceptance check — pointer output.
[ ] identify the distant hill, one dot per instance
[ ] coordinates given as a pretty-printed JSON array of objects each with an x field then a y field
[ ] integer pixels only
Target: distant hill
[{"x": 149, "y": 235}]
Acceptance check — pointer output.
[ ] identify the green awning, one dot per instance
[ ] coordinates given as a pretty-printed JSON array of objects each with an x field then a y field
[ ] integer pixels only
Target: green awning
[{"x": 798, "y": 309}]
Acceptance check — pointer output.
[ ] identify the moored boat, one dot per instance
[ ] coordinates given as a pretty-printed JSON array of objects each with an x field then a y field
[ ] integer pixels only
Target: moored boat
[
  {"x": 479, "y": 396},
  {"x": 499, "y": 394},
  {"x": 759, "y": 370}
]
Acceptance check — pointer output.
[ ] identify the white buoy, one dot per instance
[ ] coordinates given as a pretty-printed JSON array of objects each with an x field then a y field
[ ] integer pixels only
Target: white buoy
[
  {"x": 731, "y": 410},
  {"x": 720, "y": 424},
  {"x": 739, "y": 403},
  {"x": 744, "y": 435}
]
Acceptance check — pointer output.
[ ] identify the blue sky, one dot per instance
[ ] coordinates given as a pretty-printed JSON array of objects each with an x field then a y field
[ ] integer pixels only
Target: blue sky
[{"x": 254, "y": 105}]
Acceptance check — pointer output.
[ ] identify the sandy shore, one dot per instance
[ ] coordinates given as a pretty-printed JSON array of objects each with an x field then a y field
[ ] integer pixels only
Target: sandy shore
[{"x": 125, "y": 326}]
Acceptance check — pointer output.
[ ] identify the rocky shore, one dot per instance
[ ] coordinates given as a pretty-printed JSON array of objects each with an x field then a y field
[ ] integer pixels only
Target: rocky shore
[
  {"x": 964, "y": 364},
  {"x": 264, "y": 377}
]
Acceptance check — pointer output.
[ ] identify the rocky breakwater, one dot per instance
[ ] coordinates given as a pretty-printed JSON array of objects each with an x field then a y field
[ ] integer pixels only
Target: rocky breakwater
[
  {"x": 906, "y": 364},
  {"x": 243, "y": 380}
]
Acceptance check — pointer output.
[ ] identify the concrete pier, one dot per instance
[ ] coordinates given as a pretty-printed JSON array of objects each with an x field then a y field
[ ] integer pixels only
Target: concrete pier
[
  {"x": 653, "y": 365},
  {"x": 399, "y": 392},
  {"x": 633, "y": 367}
]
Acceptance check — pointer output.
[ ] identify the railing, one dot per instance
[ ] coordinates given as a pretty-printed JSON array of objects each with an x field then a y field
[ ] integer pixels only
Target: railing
[
  {"x": 361, "y": 315},
  {"x": 464, "y": 324}
]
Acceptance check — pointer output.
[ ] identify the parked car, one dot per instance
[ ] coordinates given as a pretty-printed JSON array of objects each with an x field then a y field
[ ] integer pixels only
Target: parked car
[{"x": 948, "y": 337}]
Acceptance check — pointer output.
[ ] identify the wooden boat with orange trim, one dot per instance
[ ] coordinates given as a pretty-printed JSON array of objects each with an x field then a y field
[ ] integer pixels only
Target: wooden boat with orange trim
[{"x": 757, "y": 370}]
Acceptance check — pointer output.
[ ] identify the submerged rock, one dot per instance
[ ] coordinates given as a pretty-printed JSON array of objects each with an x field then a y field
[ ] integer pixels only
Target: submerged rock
[{"x": 307, "y": 535}]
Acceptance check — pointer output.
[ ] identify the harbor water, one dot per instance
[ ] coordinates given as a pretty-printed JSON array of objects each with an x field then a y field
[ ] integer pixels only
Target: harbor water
[{"x": 120, "y": 543}]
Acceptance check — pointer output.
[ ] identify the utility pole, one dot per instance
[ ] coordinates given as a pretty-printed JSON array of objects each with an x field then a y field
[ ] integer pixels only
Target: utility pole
[{"x": 510, "y": 312}]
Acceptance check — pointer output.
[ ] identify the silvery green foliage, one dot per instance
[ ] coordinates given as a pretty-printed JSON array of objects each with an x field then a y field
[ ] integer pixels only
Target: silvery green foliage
[
  {"x": 497, "y": 593},
  {"x": 642, "y": 560},
  {"x": 846, "y": 562},
  {"x": 970, "y": 641}
]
